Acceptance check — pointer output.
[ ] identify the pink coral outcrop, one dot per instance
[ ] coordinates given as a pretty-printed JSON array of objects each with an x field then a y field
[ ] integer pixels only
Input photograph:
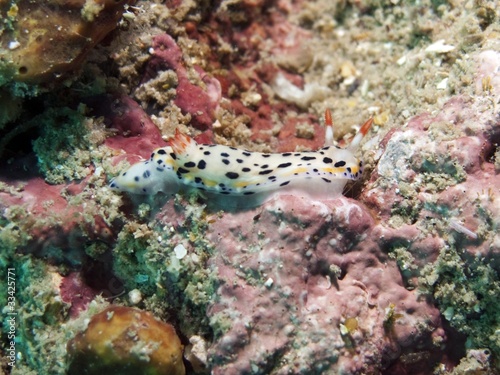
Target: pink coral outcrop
[
  {"x": 292, "y": 273},
  {"x": 190, "y": 98},
  {"x": 136, "y": 134}
]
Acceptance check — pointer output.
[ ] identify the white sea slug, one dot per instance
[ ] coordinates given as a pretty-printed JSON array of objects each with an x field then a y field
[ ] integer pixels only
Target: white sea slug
[{"x": 237, "y": 178}]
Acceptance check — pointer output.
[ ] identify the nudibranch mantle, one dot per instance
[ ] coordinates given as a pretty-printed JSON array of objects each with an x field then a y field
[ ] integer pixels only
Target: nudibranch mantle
[{"x": 231, "y": 173}]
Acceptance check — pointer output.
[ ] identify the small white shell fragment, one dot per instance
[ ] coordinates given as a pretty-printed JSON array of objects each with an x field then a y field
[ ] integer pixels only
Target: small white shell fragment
[
  {"x": 443, "y": 85},
  {"x": 343, "y": 329},
  {"x": 14, "y": 44},
  {"x": 180, "y": 251},
  {"x": 439, "y": 47},
  {"x": 401, "y": 60},
  {"x": 98, "y": 171},
  {"x": 135, "y": 296},
  {"x": 269, "y": 283}
]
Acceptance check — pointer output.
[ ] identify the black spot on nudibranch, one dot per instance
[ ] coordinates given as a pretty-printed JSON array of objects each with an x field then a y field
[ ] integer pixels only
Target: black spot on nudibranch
[
  {"x": 264, "y": 166},
  {"x": 285, "y": 183},
  {"x": 146, "y": 174},
  {"x": 202, "y": 164},
  {"x": 225, "y": 161},
  {"x": 182, "y": 170},
  {"x": 206, "y": 153},
  {"x": 266, "y": 155},
  {"x": 239, "y": 161},
  {"x": 173, "y": 156},
  {"x": 245, "y": 169},
  {"x": 136, "y": 178},
  {"x": 161, "y": 152},
  {"x": 284, "y": 165},
  {"x": 307, "y": 158},
  {"x": 327, "y": 160},
  {"x": 286, "y": 154},
  {"x": 267, "y": 171},
  {"x": 198, "y": 180},
  {"x": 339, "y": 164},
  {"x": 349, "y": 169},
  {"x": 248, "y": 193},
  {"x": 232, "y": 175},
  {"x": 190, "y": 164},
  {"x": 224, "y": 154},
  {"x": 246, "y": 153},
  {"x": 326, "y": 179}
]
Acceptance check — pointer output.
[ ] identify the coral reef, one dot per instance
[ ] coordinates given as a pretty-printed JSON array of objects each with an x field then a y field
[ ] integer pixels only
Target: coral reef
[
  {"x": 399, "y": 276},
  {"x": 126, "y": 341}
]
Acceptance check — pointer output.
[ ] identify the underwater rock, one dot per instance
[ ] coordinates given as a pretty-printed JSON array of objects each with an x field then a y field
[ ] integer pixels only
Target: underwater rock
[
  {"x": 51, "y": 227},
  {"x": 124, "y": 340},
  {"x": 136, "y": 134},
  {"x": 304, "y": 285},
  {"x": 43, "y": 40}
]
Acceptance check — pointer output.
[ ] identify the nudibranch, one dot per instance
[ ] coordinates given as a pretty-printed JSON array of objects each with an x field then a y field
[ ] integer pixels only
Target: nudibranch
[{"x": 240, "y": 178}]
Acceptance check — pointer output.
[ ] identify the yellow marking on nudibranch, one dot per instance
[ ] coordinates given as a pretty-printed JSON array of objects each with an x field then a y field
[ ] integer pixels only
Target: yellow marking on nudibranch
[
  {"x": 338, "y": 170},
  {"x": 241, "y": 184},
  {"x": 224, "y": 170},
  {"x": 209, "y": 183},
  {"x": 298, "y": 171}
]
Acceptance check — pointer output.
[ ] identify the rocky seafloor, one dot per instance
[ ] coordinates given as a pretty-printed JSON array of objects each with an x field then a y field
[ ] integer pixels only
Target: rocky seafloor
[{"x": 400, "y": 275}]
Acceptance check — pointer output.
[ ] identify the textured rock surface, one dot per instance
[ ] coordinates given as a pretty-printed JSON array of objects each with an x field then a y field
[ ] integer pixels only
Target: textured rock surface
[{"x": 293, "y": 274}]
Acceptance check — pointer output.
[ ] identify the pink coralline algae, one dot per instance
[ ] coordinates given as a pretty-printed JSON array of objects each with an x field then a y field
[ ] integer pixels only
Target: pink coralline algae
[
  {"x": 292, "y": 273},
  {"x": 135, "y": 133},
  {"x": 48, "y": 221},
  {"x": 190, "y": 98}
]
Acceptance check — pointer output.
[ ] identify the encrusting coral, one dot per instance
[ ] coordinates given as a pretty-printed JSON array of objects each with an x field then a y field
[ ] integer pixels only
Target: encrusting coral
[
  {"x": 126, "y": 341},
  {"x": 43, "y": 40}
]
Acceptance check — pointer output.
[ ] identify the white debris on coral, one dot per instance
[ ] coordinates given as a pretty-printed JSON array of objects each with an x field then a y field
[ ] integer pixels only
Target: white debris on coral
[
  {"x": 301, "y": 97},
  {"x": 196, "y": 353},
  {"x": 180, "y": 251},
  {"x": 439, "y": 47},
  {"x": 135, "y": 296}
]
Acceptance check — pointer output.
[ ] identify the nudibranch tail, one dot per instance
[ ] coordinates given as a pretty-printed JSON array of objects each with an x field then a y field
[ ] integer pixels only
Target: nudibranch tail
[{"x": 240, "y": 178}]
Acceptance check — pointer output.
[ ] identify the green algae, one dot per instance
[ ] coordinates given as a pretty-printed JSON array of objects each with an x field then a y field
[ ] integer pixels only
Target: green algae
[
  {"x": 180, "y": 288},
  {"x": 466, "y": 292},
  {"x": 39, "y": 312},
  {"x": 59, "y": 148}
]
